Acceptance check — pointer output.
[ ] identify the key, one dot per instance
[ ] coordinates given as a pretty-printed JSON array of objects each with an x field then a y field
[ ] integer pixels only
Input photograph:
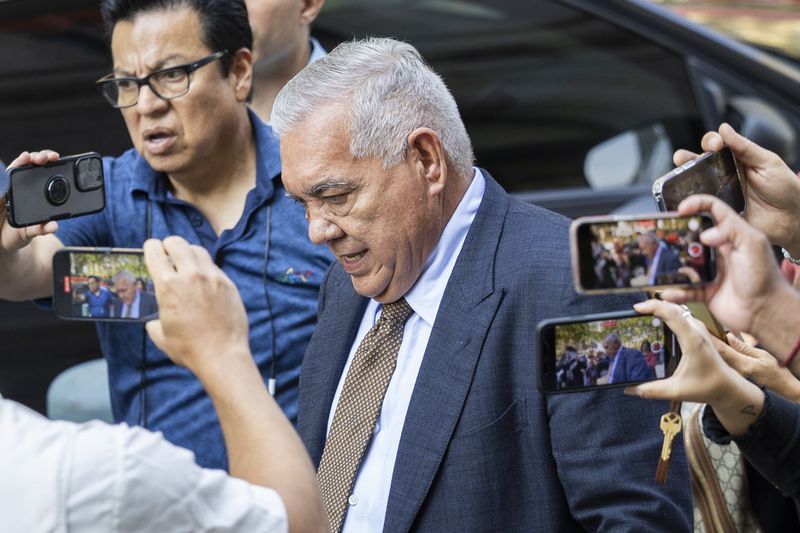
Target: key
[{"x": 671, "y": 425}]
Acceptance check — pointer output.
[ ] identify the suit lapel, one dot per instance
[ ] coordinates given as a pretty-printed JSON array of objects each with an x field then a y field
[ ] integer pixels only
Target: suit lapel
[
  {"x": 468, "y": 306},
  {"x": 324, "y": 362}
]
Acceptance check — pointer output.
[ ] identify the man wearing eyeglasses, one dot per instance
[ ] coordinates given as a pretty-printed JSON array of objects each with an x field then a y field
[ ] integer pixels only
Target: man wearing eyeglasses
[{"x": 205, "y": 168}]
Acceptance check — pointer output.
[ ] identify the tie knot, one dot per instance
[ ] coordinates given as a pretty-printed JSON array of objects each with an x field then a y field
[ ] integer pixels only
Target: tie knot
[{"x": 396, "y": 312}]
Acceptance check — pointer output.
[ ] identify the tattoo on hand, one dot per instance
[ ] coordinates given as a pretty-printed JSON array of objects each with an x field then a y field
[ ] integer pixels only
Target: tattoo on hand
[{"x": 749, "y": 410}]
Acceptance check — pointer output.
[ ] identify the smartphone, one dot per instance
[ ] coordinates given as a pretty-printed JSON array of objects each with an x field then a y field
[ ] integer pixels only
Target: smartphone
[
  {"x": 69, "y": 187},
  {"x": 714, "y": 173},
  {"x": 604, "y": 350},
  {"x": 640, "y": 253},
  {"x": 103, "y": 284}
]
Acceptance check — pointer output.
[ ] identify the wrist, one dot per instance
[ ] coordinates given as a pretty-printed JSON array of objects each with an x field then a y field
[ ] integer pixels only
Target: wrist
[
  {"x": 740, "y": 406},
  {"x": 218, "y": 367},
  {"x": 773, "y": 308},
  {"x": 776, "y": 319}
]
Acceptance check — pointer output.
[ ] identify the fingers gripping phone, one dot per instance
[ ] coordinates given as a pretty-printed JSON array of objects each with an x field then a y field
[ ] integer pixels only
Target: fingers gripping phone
[
  {"x": 636, "y": 253},
  {"x": 103, "y": 284},
  {"x": 69, "y": 187},
  {"x": 714, "y": 173},
  {"x": 604, "y": 350}
]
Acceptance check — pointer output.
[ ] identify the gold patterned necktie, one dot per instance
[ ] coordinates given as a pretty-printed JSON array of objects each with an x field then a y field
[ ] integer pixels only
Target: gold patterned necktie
[{"x": 359, "y": 406}]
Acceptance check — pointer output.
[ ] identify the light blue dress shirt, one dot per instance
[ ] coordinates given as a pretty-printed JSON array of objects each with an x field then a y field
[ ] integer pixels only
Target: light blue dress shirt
[
  {"x": 317, "y": 51},
  {"x": 654, "y": 263},
  {"x": 370, "y": 494}
]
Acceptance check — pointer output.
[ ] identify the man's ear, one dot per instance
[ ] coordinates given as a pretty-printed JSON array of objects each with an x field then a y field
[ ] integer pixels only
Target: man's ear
[
  {"x": 241, "y": 73},
  {"x": 426, "y": 150},
  {"x": 310, "y": 10}
]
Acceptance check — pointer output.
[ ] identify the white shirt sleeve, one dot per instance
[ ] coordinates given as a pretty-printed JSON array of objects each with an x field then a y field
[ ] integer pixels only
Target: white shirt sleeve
[{"x": 120, "y": 478}]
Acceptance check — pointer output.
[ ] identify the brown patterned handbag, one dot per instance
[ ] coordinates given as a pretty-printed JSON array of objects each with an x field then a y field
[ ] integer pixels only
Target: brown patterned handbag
[{"x": 719, "y": 480}]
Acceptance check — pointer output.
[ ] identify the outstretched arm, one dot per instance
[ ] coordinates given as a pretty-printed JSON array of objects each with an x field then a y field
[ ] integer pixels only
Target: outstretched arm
[{"x": 202, "y": 325}]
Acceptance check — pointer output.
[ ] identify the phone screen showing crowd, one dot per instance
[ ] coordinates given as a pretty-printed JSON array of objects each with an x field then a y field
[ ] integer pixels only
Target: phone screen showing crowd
[
  {"x": 643, "y": 253},
  {"x": 105, "y": 286},
  {"x": 609, "y": 352}
]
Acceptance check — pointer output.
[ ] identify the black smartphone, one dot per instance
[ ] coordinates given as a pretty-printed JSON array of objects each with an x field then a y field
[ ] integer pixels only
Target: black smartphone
[
  {"x": 69, "y": 187},
  {"x": 604, "y": 350},
  {"x": 714, "y": 173},
  {"x": 637, "y": 253},
  {"x": 103, "y": 284}
]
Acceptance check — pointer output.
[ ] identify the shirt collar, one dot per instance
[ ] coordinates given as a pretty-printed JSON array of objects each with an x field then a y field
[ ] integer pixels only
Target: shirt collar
[
  {"x": 268, "y": 165},
  {"x": 426, "y": 294},
  {"x": 317, "y": 51}
]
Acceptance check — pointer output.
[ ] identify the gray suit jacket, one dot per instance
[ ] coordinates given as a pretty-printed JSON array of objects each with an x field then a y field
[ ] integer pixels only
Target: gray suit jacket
[{"x": 481, "y": 448}]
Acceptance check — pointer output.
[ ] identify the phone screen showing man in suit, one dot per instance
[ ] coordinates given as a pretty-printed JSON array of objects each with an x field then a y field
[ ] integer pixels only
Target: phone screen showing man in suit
[
  {"x": 608, "y": 351},
  {"x": 103, "y": 284},
  {"x": 616, "y": 254}
]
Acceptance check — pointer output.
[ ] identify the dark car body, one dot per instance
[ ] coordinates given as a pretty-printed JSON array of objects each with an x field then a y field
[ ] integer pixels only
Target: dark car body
[{"x": 575, "y": 105}]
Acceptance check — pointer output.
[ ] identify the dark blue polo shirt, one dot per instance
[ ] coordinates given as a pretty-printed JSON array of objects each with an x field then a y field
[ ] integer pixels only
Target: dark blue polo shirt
[{"x": 283, "y": 302}]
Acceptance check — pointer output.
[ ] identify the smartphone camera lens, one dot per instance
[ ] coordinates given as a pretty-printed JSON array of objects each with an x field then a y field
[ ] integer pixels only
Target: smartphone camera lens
[
  {"x": 57, "y": 190},
  {"x": 89, "y": 174}
]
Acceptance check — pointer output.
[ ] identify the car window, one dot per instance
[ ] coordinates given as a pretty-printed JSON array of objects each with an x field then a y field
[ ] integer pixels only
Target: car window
[
  {"x": 50, "y": 61},
  {"x": 551, "y": 97}
]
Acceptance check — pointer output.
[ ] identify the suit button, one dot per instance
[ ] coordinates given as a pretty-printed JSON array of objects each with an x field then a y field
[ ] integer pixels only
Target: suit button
[{"x": 352, "y": 500}]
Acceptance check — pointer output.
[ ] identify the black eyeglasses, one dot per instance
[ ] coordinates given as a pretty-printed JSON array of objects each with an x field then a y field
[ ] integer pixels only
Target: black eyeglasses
[{"x": 167, "y": 83}]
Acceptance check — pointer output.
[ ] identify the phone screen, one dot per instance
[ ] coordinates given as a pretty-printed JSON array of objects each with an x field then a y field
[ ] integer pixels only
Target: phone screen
[
  {"x": 103, "y": 285},
  {"x": 712, "y": 173},
  {"x": 641, "y": 253},
  {"x": 608, "y": 351}
]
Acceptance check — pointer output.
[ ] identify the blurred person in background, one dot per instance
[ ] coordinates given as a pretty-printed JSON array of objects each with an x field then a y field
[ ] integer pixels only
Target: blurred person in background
[{"x": 282, "y": 46}]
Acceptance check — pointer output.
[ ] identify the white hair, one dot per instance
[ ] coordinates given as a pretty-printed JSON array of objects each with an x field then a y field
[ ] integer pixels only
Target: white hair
[
  {"x": 124, "y": 274},
  {"x": 387, "y": 91}
]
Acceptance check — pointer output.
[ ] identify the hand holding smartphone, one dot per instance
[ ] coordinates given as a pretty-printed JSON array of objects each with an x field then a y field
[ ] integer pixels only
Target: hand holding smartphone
[
  {"x": 109, "y": 284},
  {"x": 603, "y": 350},
  {"x": 69, "y": 187},
  {"x": 714, "y": 173},
  {"x": 637, "y": 253}
]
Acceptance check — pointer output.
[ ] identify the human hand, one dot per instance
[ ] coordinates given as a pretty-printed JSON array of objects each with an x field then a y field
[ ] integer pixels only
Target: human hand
[
  {"x": 202, "y": 322},
  {"x": 690, "y": 273},
  {"x": 702, "y": 375},
  {"x": 12, "y": 239},
  {"x": 759, "y": 366},
  {"x": 748, "y": 282},
  {"x": 772, "y": 190}
]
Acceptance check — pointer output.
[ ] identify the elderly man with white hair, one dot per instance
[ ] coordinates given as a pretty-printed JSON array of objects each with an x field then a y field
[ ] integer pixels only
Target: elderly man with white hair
[{"x": 418, "y": 397}]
